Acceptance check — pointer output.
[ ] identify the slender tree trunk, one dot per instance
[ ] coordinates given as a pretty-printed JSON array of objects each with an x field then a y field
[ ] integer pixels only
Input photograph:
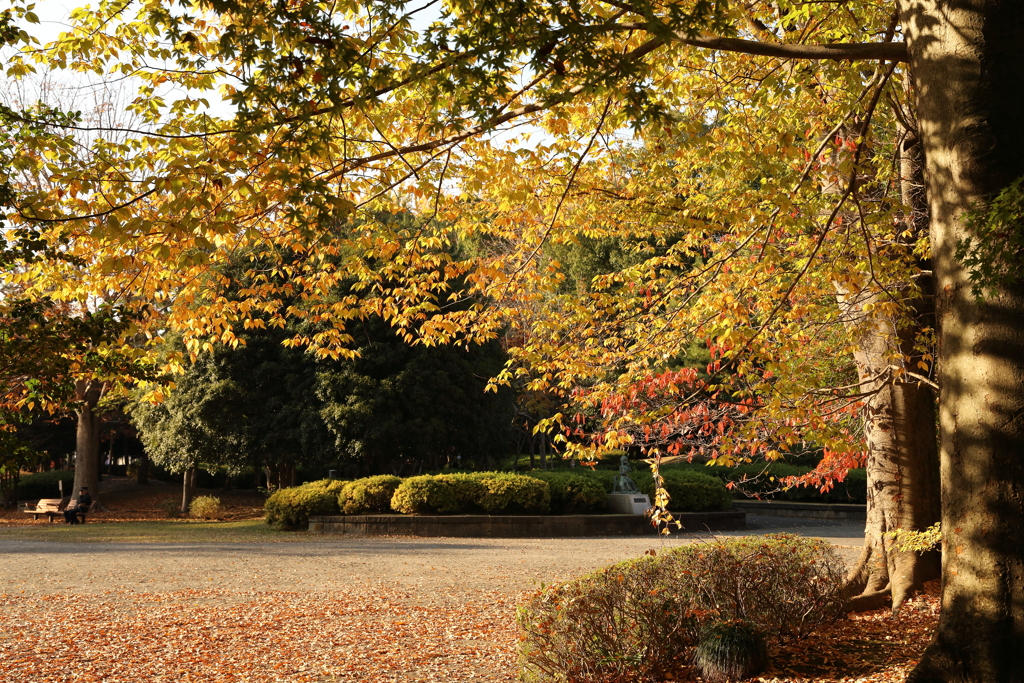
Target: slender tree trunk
[
  {"x": 110, "y": 451},
  {"x": 188, "y": 489},
  {"x": 968, "y": 63},
  {"x": 142, "y": 471},
  {"x": 87, "y": 440}
]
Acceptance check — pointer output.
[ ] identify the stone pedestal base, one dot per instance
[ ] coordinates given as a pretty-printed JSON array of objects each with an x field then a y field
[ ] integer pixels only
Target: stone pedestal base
[{"x": 628, "y": 503}]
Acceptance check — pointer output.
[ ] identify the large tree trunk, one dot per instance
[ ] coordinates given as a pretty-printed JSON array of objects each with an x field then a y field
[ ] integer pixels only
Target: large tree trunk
[
  {"x": 968, "y": 63},
  {"x": 87, "y": 440},
  {"x": 902, "y": 462},
  {"x": 902, "y": 476},
  {"x": 899, "y": 424}
]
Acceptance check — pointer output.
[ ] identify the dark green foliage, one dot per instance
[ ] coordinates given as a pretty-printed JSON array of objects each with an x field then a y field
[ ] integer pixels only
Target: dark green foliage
[
  {"x": 730, "y": 650},
  {"x": 689, "y": 491},
  {"x": 252, "y": 405},
  {"x": 371, "y": 494},
  {"x": 514, "y": 494},
  {"x": 991, "y": 251},
  {"x": 45, "y": 484},
  {"x": 639, "y": 618},
  {"x": 292, "y": 507},
  {"x": 445, "y": 494},
  {"x": 572, "y": 493},
  {"x": 418, "y": 407}
]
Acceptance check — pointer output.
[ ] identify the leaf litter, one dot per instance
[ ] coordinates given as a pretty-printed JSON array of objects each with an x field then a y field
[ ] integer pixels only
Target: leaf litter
[{"x": 368, "y": 633}]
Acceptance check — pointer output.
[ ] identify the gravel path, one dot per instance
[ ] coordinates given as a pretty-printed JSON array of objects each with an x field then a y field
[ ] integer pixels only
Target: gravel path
[{"x": 432, "y": 568}]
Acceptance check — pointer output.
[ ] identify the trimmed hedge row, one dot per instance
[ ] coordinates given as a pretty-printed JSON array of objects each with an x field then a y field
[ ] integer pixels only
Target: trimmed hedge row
[
  {"x": 639, "y": 619},
  {"x": 574, "y": 494},
  {"x": 291, "y": 508},
  {"x": 371, "y": 494},
  {"x": 45, "y": 484},
  {"x": 544, "y": 492},
  {"x": 489, "y": 492}
]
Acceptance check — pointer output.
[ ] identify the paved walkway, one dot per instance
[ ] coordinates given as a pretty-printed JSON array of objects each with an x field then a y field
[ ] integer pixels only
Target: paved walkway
[{"x": 435, "y": 569}]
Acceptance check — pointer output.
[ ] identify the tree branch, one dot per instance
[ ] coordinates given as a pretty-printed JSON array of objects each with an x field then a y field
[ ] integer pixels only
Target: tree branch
[{"x": 892, "y": 52}]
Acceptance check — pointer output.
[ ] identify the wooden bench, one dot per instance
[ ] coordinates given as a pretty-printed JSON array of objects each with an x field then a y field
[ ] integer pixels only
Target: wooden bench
[
  {"x": 53, "y": 507},
  {"x": 46, "y": 506}
]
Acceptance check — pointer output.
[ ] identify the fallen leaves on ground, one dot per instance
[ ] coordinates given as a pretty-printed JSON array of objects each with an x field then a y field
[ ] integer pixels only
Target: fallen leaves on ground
[
  {"x": 365, "y": 634},
  {"x": 873, "y": 646},
  {"x": 224, "y": 637}
]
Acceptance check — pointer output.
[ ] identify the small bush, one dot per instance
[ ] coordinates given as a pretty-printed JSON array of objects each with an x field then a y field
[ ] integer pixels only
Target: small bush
[
  {"x": 784, "y": 585},
  {"x": 573, "y": 494},
  {"x": 333, "y": 486},
  {"x": 371, "y": 494},
  {"x": 730, "y": 650},
  {"x": 445, "y": 494},
  {"x": 514, "y": 494},
  {"x": 205, "y": 507},
  {"x": 621, "y": 623},
  {"x": 45, "y": 484},
  {"x": 637, "y": 619},
  {"x": 291, "y": 508}
]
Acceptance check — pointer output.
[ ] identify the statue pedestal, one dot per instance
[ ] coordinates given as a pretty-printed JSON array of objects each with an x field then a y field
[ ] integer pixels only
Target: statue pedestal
[{"x": 628, "y": 503}]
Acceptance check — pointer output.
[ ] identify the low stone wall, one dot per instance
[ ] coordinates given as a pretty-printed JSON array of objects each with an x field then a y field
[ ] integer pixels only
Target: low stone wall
[
  {"x": 779, "y": 508},
  {"x": 518, "y": 526}
]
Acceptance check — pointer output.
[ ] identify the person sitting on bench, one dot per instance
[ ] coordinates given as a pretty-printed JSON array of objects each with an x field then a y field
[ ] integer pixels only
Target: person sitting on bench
[{"x": 81, "y": 506}]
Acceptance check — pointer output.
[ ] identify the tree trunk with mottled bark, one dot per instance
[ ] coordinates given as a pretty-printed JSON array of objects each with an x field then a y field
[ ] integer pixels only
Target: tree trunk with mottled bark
[
  {"x": 967, "y": 59},
  {"x": 900, "y": 421},
  {"x": 902, "y": 473},
  {"x": 188, "y": 488},
  {"x": 902, "y": 464},
  {"x": 87, "y": 440}
]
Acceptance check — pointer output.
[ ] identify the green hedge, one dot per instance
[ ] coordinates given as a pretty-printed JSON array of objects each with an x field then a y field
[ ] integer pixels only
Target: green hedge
[
  {"x": 445, "y": 494},
  {"x": 497, "y": 493},
  {"x": 853, "y": 489},
  {"x": 688, "y": 491},
  {"x": 489, "y": 492},
  {"x": 514, "y": 494},
  {"x": 572, "y": 493},
  {"x": 370, "y": 494},
  {"x": 46, "y": 484},
  {"x": 640, "y": 618},
  {"x": 291, "y": 508}
]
